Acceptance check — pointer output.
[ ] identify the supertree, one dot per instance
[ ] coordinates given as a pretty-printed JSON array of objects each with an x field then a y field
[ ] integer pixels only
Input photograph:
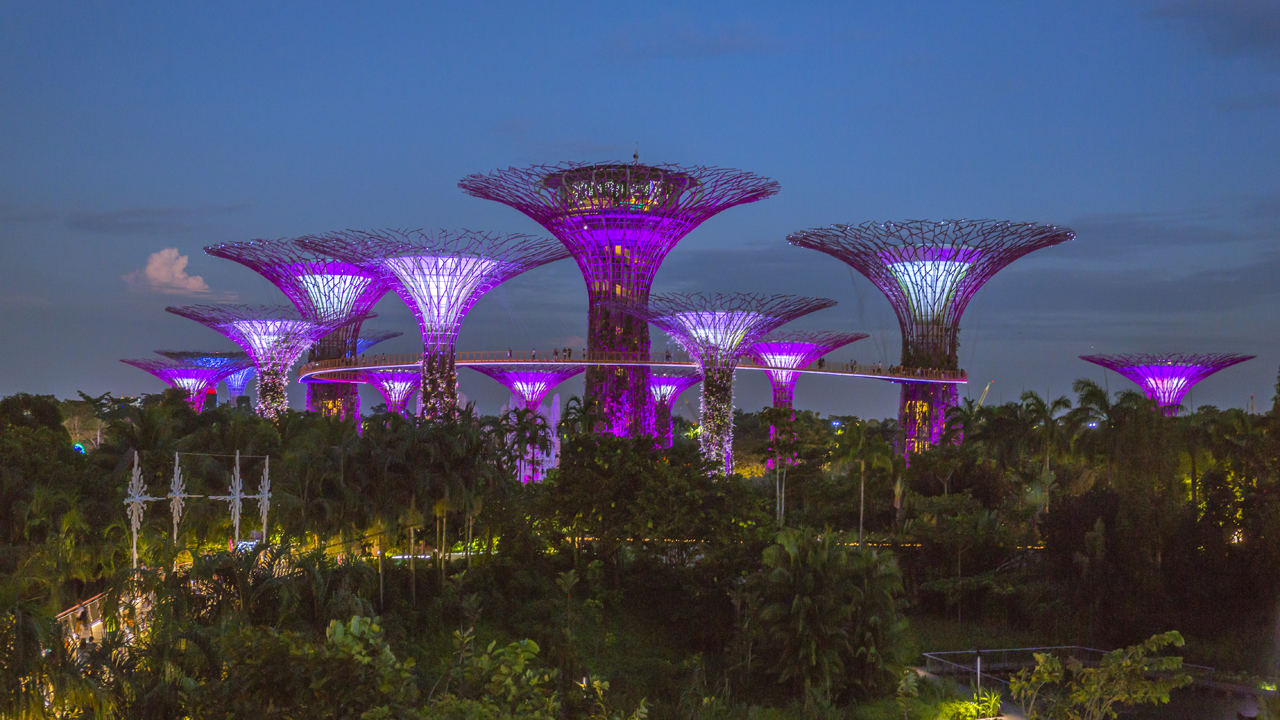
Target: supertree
[
  {"x": 786, "y": 352},
  {"x": 619, "y": 220},
  {"x": 324, "y": 289},
  {"x": 440, "y": 275},
  {"x": 275, "y": 336},
  {"x": 716, "y": 331},
  {"x": 665, "y": 389},
  {"x": 929, "y": 271},
  {"x": 1166, "y": 377},
  {"x": 531, "y": 383},
  {"x": 196, "y": 380},
  {"x": 236, "y": 379},
  {"x": 396, "y": 386},
  {"x": 369, "y": 338}
]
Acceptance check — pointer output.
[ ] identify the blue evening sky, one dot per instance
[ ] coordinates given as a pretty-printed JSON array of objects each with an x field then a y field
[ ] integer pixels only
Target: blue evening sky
[{"x": 1148, "y": 127}]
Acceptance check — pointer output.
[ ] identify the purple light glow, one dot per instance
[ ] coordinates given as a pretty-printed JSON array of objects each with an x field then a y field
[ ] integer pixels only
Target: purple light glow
[
  {"x": 238, "y": 381},
  {"x": 1167, "y": 377},
  {"x": 619, "y": 220},
  {"x": 397, "y": 387},
  {"x": 787, "y": 352},
  {"x": 530, "y": 382},
  {"x": 195, "y": 380},
  {"x": 665, "y": 390}
]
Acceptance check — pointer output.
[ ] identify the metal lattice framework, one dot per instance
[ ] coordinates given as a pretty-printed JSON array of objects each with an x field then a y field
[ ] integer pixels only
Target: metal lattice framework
[
  {"x": 929, "y": 271},
  {"x": 397, "y": 387},
  {"x": 236, "y": 379},
  {"x": 275, "y": 336},
  {"x": 369, "y": 338},
  {"x": 665, "y": 389},
  {"x": 440, "y": 275},
  {"x": 324, "y": 289},
  {"x": 1167, "y": 377},
  {"x": 716, "y": 330},
  {"x": 788, "y": 351},
  {"x": 530, "y": 382},
  {"x": 619, "y": 220},
  {"x": 196, "y": 380}
]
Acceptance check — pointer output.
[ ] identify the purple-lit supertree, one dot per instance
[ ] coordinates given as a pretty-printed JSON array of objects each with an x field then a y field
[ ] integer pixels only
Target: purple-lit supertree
[
  {"x": 236, "y": 379},
  {"x": 716, "y": 331},
  {"x": 665, "y": 389},
  {"x": 929, "y": 271},
  {"x": 369, "y": 338},
  {"x": 531, "y": 383},
  {"x": 787, "y": 352},
  {"x": 325, "y": 290},
  {"x": 397, "y": 386},
  {"x": 1166, "y": 377},
  {"x": 619, "y": 220},
  {"x": 275, "y": 336},
  {"x": 440, "y": 275},
  {"x": 196, "y": 380}
]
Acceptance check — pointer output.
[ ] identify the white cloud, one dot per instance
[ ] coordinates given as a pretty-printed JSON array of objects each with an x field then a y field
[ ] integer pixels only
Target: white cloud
[{"x": 166, "y": 272}]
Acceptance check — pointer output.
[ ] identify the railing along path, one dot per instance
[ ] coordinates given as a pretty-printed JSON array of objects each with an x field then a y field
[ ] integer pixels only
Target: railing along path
[{"x": 344, "y": 369}]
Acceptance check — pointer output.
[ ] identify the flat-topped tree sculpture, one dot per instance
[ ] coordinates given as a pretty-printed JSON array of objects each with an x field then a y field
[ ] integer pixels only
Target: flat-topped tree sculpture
[
  {"x": 929, "y": 271},
  {"x": 396, "y": 386},
  {"x": 716, "y": 330},
  {"x": 619, "y": 220},
  {"x": 665, "y": 388},
  {"x": 325, "y": 290},
  {"x": 194, "y": 379},
  {"x": 275, "y": 336},
  {"x": 787, "y": 352},
  {"x": 236, "y": 379},
  {"x": 440, "y": 275},
  {"x": 531, "y": 383},
  {"x": 1167, "y": 377}
]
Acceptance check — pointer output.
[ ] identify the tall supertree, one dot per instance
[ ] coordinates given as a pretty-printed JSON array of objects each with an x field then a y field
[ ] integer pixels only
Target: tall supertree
[
  {"x": 929, "y": 271},
  {"x": 325, "y": 290},
  {"x": 717, "y": 330},
  {"x": 1166, "y": 377},
  {"x": 665, "y": 388},
  {"x": 236, "y": 379},
  {"x": 275, "y": 336},
  {"x": 440, "y": 275},
  {"x": 196, "y": 380},
  {"x": 395, "y": 385},
  {"x": 786, "y": 352},
  {"x": 531, "y": 383},
  {"x": 619, "y": 220}
]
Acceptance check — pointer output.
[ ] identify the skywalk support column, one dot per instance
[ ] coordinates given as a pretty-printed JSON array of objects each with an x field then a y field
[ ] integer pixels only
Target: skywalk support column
[
  {"x": 929, "y": 271},
  {"x": 619, "y": 220}
]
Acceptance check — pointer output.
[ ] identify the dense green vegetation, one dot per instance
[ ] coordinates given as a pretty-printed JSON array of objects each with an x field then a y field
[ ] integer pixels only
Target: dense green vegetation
[{"x": 630, "y": 582}]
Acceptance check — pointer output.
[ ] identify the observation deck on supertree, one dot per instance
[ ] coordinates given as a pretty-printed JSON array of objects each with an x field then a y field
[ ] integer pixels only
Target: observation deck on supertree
[
  {"x": 397, "y": 387},
  {"x": 1167, "y": 377},
  {"x": 929, "y": 271},
  {"x": 716, "y": 330},
  {"x": 325, "y": 290},
  {"x": 275, "y": 336},
  {"x": 195, "y": 379},
  {"x": 788, "y": 351},
  {"x": 619, "y": 220},
  {"x": 440, "y": 275},
  {"x": 665, "y": 389}
]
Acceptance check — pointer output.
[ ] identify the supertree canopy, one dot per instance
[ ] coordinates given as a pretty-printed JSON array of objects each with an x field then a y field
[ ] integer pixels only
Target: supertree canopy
[
  {"x": 665, "y": 389},
  {"x": 1166, "y": 377},
  {"x": 195, "y": 379},
  {"x": 396, "y": 386},
  {"x": 619, "y": 220},
  {"x": 369, "y": 338},
  {"x": 324, "y": 289},
  {"x": 531, "y": 382},
  {"x": 239, "y": 366},
  {"x": 238, "y": 381},
  {"x": 786, "y": 352},
  {"x": 929, "y": 271},
  {"x": 275, "y": 336},
  {"x": 440, "y": 275},
  {"x": 716, "y": 330}
]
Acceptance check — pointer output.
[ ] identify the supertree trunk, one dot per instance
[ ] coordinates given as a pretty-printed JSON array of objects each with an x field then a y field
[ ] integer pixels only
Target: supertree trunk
[
  {"x": 273, "y": 397},
  {"x": 334, "y": 399},
  {"x": 621, "y": 391},
  {"x": 664, "y": 425},
  {"x": 717, "y": 418},
  {"x": 439, "y": 384},
  {"x": 922, "y": 414}
]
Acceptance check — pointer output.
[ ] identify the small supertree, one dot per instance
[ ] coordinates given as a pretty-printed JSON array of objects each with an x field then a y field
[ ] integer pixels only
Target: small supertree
[
  {"x": 716, "y": 331},
  {"x": 665, "y": 389},
  {"x": 324, "y": 289},
  {"x": 1166, "y": 377},
  {"x": 440, "y": 275},
  {"x": 619, "y": 220},
  {"x": 787, "y": 352},
  {"x": 395, "y": 385},
  {"x": 194, "y": 379},
  {"x": 531, "y": 383},
  {"x": 236, "y": 380},
  {"x": 275, "y": 336},
  {"x": 929, "y": 271}
]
